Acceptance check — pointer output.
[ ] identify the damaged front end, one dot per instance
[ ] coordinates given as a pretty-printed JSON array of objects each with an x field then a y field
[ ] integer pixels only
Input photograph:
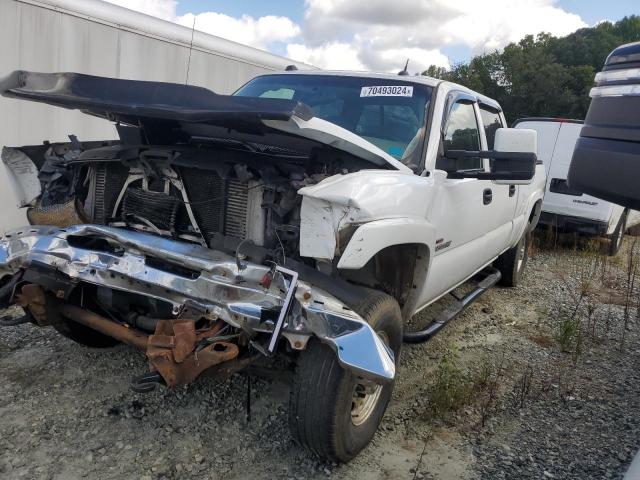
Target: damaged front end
[
  {"x": 183, "y": 237},
  {"x": 209, "y": 287}
]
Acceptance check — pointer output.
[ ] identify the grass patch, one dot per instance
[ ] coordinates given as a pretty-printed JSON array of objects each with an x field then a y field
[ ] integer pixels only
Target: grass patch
[
  {"x": 568, "y": 334},
  {"x": 452, "y": 387}
]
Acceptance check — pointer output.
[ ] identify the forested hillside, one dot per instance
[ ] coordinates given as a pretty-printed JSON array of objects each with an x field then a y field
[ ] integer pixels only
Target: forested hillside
[{"x": 544, "y": 75}]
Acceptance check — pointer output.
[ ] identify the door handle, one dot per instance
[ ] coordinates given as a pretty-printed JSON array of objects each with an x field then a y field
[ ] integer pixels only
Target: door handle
[
  {"x": 512, "y": 190},
  {"x": 487, "y": 196}
]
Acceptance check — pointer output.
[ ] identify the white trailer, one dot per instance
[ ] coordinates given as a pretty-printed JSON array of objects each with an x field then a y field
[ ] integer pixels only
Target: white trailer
[{"x": 98, "y": 38}]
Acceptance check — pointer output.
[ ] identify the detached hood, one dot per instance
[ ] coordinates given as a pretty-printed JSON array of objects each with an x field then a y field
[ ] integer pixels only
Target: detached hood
[{"x": 190, "y": 111}]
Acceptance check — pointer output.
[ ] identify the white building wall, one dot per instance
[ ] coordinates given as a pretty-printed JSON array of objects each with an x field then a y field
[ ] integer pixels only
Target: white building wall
[{"x": 97, "y": 38}]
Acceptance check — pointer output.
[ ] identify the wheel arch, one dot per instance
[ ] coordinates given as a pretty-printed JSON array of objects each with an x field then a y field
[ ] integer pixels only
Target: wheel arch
[
  {"x": 392, "y": 255},
  {"x": 534, "y": 215}
]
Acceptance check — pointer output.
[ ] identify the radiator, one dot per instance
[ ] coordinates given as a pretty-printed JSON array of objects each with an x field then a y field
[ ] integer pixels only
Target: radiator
[{"x": 219, "y": 205}]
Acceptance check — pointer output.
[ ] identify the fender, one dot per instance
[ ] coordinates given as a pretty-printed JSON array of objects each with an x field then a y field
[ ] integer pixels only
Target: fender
[
  {"x": 360, "y": 198},
  {"x": 531, "y": 195},
  {"x": 375, "y": 236},
  {"x": 520, "y": 222}
]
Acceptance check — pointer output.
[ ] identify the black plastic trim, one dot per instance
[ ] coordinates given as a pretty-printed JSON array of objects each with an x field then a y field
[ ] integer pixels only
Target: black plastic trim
[
  {"x": 607, "y": 169},
  {"x": 560, "y": 185}
]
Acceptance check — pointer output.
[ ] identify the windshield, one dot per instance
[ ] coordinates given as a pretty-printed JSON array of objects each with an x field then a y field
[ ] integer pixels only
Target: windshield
[{"x": 388, "y": 113}]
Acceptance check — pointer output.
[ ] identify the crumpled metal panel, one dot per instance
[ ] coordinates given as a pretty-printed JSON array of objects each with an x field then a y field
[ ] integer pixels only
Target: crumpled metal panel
[{"x": 220, "y": 289}]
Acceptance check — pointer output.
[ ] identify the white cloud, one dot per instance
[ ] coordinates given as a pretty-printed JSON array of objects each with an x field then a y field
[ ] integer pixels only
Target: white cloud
[
  {"x": 258, "y": 33},
  {"x": 331, "y": 56},
  {"x": 381, "y": 34},
  {"x": 393, "y": 59},
  {"x": 384, "y": 31},
  {"x": 493, "y": 24}
]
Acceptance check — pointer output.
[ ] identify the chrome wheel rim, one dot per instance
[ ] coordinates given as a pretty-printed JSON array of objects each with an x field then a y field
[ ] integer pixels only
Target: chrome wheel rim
[{"x": 366, "y": 395}]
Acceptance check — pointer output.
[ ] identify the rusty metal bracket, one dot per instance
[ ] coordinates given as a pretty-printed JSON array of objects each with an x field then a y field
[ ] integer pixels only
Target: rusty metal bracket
[{"x": 175, "y": 351}]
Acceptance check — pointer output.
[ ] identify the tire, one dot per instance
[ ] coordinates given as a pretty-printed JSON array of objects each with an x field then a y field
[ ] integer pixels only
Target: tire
[
  {"x": 323, "y": 416},
  {"x": 615, "y": 240},
  {"x": 84, "y": 335},
  {"x": 513, "y": 262}
]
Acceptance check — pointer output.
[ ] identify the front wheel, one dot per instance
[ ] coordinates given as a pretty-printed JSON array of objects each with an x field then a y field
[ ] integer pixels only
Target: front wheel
[
  {"x": 332, "y": 412},
  {"x": 513, "y": 262}
]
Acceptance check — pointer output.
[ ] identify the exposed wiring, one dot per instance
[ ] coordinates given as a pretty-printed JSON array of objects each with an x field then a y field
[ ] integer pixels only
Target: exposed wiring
[{"x": 284, "y": 257}]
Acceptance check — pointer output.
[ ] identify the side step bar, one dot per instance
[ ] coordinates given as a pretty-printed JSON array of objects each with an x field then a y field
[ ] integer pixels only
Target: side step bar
[{"x": 488, "y": 278}]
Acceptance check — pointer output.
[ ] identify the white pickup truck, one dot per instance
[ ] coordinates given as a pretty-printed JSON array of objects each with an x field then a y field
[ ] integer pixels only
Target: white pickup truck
[{"x": 307, "y": 217}]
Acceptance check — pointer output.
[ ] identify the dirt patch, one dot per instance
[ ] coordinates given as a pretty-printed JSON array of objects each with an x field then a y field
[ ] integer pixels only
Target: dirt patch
[{"x": 542, "y": 340}]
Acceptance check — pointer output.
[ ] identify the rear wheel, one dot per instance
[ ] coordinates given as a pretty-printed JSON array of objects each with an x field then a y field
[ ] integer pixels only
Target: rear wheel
[
  {"x": 615, "y": 240},
  {"x": 332, "y": 412},
  {"x": 513, "y": 262}
]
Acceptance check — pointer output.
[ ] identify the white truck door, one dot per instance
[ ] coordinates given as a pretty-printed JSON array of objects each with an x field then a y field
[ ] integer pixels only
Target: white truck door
[
  {"x": 462, "y": 208},
  {"x": 500, "y": 212}
]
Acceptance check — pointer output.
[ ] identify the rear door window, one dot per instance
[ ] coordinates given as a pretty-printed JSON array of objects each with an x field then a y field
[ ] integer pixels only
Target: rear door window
[{"x": 491, "y": 121}]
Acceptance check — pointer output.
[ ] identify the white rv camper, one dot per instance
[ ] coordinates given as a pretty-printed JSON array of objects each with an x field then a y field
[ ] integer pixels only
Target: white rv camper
[
  {"x": 566, "y": 208},
  {"x": 98, "y": 38}
]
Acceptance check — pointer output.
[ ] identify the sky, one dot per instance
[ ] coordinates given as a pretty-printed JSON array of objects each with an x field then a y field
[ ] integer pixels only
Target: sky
[{"x": 380, "y": 35}]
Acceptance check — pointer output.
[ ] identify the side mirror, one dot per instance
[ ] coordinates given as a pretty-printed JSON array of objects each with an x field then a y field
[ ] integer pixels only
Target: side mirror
[{"x": 513, "y": 159}]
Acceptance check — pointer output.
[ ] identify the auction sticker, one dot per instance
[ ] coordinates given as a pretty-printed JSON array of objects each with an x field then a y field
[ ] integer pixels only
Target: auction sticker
[{"x": 387, "y": 91}]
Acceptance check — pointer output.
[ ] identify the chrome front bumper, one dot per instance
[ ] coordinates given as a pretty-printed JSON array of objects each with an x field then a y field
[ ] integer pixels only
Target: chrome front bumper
[{"x": 217, "y": 285}]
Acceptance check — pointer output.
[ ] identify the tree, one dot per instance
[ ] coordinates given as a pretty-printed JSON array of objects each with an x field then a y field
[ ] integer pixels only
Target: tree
[{"x": 543, "y": 76}]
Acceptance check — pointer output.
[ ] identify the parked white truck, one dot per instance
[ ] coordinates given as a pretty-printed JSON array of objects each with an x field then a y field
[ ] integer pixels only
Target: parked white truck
[
  {"x": 565, "y": 208},
  {"x": 307, "y": 217}
]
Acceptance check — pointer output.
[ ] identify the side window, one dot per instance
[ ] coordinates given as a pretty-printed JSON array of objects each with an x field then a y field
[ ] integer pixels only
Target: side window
[
  {"x": 461, "y": 133},
  {"x": 492, "y": 122}
]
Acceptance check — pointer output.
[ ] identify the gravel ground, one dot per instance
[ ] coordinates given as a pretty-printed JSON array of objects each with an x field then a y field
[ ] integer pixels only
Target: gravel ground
[{"x": 66, "y": 412}]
